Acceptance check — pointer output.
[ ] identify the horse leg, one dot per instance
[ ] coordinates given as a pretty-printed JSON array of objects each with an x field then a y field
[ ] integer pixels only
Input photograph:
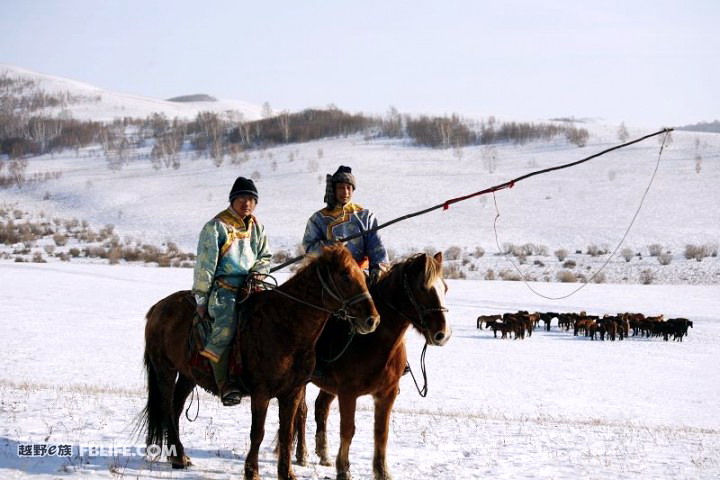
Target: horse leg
[
  {"x": 347, "y": 432},
  {"x": 259, "y": 406},
  {"x": 383, "y": 408},
  {"x": 288, "y": 406},
  {"x": 301, "y": 456},
  {"x": 183, "y": 387},
  {"x": 322, "y": 409}
]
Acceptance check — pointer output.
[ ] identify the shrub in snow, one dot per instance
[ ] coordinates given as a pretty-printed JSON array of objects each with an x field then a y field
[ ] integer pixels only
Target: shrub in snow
[
  {"x": 665, "y": 258},
  {"x": 280, "y": 256},
  {"x": 453, "y": 272},
  {"x": 510, "y": 275},
  {"x": 114, "y": 255},
  {"x": 569, "y": 264},
  {"x": 627, "y": 253},
  {"x": 698, "y": 252},
  {"x": 38, "y": 258},
  {"x": 655, "y": 249},
  {"x": 479, "y": 252},
  {"x": 527, "y": 249},
  {"x": 507, "y": 248},
  {"x": 566, "y": 276},
  {"x": 452, "y": 253},
  {"x": 60, "y": 239},
  {"x": 561, "y": 254},
  {"x": 599, "y": 278},
  {"x": 593, "y": 250},
  {"x": 490, "y": 274},
  {"x": 647, "y": 277}
]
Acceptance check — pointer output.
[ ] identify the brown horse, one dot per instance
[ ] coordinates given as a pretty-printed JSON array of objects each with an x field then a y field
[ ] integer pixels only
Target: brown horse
[
  {"x": 277, "y": 344},
  {"x": 411, "y": 293}
]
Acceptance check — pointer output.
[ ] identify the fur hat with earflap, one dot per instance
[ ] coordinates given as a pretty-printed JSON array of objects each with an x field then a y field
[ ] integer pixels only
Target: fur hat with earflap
[{"x": 342, "y": 175}]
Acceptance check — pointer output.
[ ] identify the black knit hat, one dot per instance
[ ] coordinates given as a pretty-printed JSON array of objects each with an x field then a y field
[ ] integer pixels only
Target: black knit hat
[{"x": 243, "y": 186}]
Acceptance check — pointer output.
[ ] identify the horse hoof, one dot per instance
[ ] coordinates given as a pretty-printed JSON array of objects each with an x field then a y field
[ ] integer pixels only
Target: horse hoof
[
  {"x": 252, "y": 475},
  {"x": 325, "y": 462},
  {"x": 344, "y": 476},
  {"x": 180, "y": 463}
]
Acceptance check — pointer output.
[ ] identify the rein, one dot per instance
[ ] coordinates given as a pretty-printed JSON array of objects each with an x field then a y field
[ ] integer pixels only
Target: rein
[
  {"x": 422, "y": 311},
  {"x": 192, "y": 398},
  {"x": 327, "y": 286},
  {"x": 424, "y": 390}
]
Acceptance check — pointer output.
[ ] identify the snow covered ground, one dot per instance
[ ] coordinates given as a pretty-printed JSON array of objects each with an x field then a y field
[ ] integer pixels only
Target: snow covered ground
[{"x": 550, "y": 406}]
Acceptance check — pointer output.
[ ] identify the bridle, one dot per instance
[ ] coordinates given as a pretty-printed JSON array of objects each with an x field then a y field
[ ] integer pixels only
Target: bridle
[
  {"x": 422, "y": 310},
  {"x": 331, "y": 288}
]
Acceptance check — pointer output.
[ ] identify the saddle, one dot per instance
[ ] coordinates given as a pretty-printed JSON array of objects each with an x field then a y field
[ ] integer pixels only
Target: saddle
[{"x": 201, "y": 328}]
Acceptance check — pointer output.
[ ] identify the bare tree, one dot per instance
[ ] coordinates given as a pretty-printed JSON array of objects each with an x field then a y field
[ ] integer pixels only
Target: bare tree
[
  {"x": 489, "y": 157},
  {"x": 622, "y": 133},
  {"x": 266, "y": 111},
  {"x": 284, "y": 119}
]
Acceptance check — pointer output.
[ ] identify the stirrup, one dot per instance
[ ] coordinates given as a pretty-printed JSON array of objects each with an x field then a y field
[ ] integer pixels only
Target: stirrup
[
  {"x": 231, "y": 396},
  {"x": 406, "y": 370}
]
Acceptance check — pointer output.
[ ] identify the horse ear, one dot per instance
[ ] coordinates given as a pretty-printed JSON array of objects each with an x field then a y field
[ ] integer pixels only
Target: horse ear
[{"x": 438, "y": 257}]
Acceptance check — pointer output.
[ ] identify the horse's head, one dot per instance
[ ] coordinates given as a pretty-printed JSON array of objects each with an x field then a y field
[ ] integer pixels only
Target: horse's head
[
  {"x": 345, "y": 289},
  {"x": 424, "y": 290}
]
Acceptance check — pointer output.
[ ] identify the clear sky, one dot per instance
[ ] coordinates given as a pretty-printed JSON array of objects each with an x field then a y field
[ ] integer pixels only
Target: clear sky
[{"x": 646, "y": 62}]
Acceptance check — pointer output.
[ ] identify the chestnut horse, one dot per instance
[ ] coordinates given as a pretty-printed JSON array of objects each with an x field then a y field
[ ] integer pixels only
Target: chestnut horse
[
  {"x": 277, "y": 345},
  {"x": 411, "y": 293}
]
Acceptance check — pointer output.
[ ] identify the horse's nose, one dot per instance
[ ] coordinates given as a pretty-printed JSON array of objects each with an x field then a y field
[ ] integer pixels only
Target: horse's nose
[
  {"x": 441, "y": 338},
  {"x": 371, "y": 323}
]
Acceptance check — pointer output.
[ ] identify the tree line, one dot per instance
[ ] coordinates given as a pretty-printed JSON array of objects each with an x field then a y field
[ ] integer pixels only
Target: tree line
[{"x": 26, "y": 130}]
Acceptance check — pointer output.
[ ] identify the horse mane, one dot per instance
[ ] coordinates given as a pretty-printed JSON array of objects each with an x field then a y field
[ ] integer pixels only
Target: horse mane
[
  {"x": 432, "y": 273},
  {"x": 333, "y": 256}
]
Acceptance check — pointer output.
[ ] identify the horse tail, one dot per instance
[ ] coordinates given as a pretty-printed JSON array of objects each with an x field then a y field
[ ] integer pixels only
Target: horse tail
[{"x": 152, "y": 414}]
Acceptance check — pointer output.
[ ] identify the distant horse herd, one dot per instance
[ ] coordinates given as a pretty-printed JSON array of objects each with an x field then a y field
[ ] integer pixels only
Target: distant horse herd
[{"x": 615, "y": 327}]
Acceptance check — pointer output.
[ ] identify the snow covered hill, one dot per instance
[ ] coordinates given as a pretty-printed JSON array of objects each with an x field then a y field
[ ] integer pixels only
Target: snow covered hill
[
  {"x": 96, "y": 103},
  {"x": 581, "y": 209}
]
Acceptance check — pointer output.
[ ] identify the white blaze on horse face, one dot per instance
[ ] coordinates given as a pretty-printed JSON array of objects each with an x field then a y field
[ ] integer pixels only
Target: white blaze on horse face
[{"x": 440, "y": 289}]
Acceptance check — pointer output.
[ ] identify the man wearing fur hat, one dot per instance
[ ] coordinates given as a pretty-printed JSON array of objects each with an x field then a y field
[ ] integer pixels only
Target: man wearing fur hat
[
  {"x": 232, "y": 246},
  {"x": 342, "y": 218}
]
